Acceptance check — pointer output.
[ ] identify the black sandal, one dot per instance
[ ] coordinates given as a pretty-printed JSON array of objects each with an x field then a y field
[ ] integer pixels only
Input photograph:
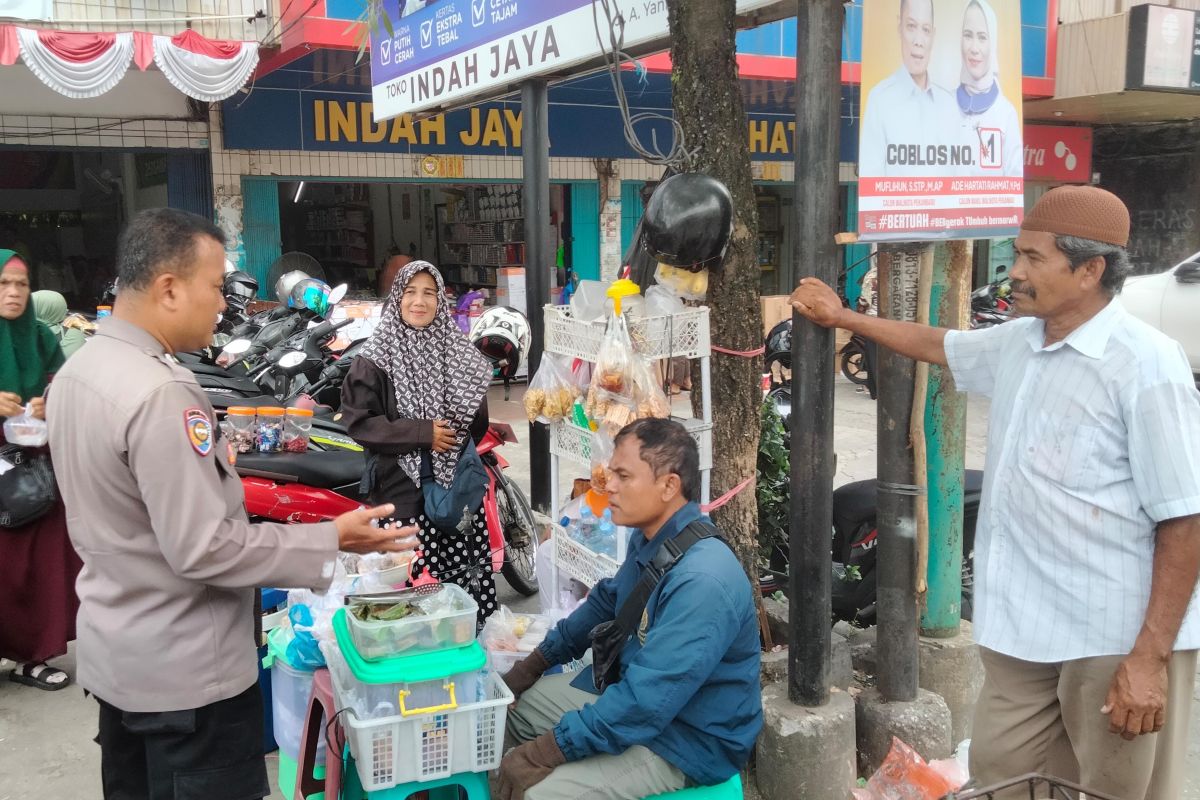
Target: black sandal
[{"x": 39, "y": 675}]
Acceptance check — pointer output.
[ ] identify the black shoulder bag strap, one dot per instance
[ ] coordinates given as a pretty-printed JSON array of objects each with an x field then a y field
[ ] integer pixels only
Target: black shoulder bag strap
[{"x": 608, "y": 638}]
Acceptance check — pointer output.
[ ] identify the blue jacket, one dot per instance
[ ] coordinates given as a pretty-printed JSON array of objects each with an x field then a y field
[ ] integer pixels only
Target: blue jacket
[{"x": 689, "y": 688}]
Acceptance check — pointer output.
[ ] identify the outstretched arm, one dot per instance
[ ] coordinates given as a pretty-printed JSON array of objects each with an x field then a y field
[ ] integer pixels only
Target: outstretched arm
[{"x": 818, "y": 303}]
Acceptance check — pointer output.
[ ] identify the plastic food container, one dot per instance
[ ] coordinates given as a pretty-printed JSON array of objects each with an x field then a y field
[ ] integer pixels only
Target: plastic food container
[
  {"x": 242, "y": 433},
  {"x": 406, "y": 686},
  {"x": 268, "y": 431},
  {"x": 297, "y": 425},
  {"x": 444, "y": 617}
]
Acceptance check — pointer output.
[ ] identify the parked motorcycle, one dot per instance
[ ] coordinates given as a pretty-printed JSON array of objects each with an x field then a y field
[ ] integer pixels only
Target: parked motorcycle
[
  {"x": 990, "y": 304},
  {"x": 854, "y": 546},
  {"x": 318, "y": 486}
]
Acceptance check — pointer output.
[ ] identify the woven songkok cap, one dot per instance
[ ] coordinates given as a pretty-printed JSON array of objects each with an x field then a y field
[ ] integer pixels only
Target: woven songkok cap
[{"x": 1088, "y": 212}]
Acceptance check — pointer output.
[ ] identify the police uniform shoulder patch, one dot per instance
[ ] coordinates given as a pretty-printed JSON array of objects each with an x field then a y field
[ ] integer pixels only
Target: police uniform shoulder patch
[{"x": 199, "y": 430}]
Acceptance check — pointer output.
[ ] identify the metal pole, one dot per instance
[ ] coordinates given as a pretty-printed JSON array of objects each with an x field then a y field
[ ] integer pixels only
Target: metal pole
[
  {"x": 818, "y": 99},
  {"x": 896, "y": 593},
  {"x": 535, "y": 158},
  {"x": 945, "y": 432}
]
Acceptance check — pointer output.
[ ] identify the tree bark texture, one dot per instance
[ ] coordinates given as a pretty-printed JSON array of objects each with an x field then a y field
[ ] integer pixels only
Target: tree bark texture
[{"x": 707, "y": 102}]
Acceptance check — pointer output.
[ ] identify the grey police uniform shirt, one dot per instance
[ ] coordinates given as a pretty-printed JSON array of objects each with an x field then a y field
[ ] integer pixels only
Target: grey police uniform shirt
[{"x": 158, "y": 516}]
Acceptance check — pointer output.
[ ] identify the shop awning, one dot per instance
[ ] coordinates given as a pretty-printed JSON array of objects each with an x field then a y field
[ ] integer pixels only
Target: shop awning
[{"x": 82, "y": 64}]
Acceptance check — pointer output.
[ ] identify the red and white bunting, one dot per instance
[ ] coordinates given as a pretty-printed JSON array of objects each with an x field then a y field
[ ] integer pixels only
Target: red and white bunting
[
  {"x": 202, "y": 68},
  {"x": 82, "y": 64}
]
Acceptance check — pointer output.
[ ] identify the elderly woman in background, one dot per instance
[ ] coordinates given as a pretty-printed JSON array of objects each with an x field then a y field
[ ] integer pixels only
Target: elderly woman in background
[{"x": 38, "y": 566}]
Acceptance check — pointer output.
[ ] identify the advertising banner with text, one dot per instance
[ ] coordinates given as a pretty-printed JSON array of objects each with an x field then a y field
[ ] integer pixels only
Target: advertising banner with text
[
  {"x": 440, "y": 54},
  {"x": 940, "y": 144}
]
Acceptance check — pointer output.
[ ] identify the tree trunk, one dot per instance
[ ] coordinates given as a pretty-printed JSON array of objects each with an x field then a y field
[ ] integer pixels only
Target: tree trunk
[{"x": 707, "y": 101}]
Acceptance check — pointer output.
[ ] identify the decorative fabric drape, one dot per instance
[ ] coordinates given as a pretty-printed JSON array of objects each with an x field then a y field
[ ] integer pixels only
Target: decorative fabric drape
[
  {"x": 83, "y": 64},
  {"x": 202, "y": 68}
]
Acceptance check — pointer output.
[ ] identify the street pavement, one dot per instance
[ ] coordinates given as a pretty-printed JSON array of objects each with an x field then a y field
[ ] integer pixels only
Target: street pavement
[{"x": 46, "y": 747}]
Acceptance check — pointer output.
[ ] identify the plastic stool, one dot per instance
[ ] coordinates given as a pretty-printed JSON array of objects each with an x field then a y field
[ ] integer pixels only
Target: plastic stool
[
  {"x": 287, "y": 777},
  {"x": 474, "y": 783},
  {"x": 729, "y": 790},
  {"x": 320, "y": 708}
]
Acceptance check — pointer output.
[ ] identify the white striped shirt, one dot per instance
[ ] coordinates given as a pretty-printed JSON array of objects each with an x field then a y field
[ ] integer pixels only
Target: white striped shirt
[{"x": 1091, "y": 442}]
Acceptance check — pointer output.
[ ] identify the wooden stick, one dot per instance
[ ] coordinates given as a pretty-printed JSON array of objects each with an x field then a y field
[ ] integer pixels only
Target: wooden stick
[{"x": 917, "y": 429}]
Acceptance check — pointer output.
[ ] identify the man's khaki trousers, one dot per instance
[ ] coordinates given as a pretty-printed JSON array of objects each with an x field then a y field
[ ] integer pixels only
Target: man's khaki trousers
[
  {"x": 1046, "y": 718},
  {"x": 632, "y": 775}
]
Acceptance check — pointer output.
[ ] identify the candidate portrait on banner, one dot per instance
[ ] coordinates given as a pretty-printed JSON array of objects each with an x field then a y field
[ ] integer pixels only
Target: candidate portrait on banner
[
  {"x": 909, "y": 119},
  {"x": 990, "y": 123},
  {"x": 940, "y": 145}
]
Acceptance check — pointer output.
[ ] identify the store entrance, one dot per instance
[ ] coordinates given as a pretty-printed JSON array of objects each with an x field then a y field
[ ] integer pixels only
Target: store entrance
[
  {"x": 473, "y": 232},
  {"x": 62, "y": 211}
]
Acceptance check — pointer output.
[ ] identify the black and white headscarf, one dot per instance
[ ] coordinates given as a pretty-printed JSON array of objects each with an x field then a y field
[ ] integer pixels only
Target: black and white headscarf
[{"x": 435, "y": 371}]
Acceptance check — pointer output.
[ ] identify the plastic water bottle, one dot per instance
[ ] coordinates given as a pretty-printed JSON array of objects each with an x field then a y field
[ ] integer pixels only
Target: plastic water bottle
[
  {"x": 586, "y": 526},
  {"x": 606, "y": 535}
]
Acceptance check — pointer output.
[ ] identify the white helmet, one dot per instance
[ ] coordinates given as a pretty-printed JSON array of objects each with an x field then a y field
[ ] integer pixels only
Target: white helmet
[
  {"x": 287, "y": 281},
  {"x": 502, "y": 335}
]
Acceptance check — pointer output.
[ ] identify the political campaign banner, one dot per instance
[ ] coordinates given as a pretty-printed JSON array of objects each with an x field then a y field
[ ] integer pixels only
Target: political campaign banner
[{"x": 940, "y": 144}]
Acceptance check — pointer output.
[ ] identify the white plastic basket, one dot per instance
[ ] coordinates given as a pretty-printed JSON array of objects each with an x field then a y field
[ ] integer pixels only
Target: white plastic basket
[
  {"x": 682, "y": 335},
  {"x": 568, "y": 440},
  {"x": 394, "y": 750},
  {"x": 581, "y": 563}
]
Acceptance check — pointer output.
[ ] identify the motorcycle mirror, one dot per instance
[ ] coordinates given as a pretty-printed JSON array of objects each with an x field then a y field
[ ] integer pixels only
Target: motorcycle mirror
[
  {"x": 237, "y": 347},
  {"x": 292, "y": 359},
  {"x": 337, "y": 294}
]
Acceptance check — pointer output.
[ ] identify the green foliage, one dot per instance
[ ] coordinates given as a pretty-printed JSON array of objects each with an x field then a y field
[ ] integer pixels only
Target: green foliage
[
  {"x": 369, "y": 21},
  {"x": 774, "y": 482}
]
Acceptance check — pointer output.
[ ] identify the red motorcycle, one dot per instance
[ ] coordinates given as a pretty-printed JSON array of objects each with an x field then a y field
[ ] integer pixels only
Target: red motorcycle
[{"x": 317, "y": 486}]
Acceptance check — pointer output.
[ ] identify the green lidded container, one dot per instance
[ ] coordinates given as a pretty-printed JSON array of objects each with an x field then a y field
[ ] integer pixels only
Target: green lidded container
[{"x": 424, "y": 683}]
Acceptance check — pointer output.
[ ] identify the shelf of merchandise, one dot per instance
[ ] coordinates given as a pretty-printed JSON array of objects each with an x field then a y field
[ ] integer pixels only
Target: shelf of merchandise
[
  {"x": 681, "y": 335},
  {"x": 482, "y": 244}
]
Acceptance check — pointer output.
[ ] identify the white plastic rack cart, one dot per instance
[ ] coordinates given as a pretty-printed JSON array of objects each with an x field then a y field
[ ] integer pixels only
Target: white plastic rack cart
[{"x": 681, "y": 335}]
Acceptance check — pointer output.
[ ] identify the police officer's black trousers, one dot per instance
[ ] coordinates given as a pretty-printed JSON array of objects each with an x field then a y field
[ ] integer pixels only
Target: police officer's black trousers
[{"x": 210, "y": 753}]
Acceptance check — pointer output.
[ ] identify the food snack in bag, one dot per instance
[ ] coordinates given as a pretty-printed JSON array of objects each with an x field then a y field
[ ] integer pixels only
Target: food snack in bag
[
  {"x": 651, "y": 400},
  {"x": 26, "y": 430},
  {"x": 551, "y": 392},
  {"x": 602, "y": 452}
]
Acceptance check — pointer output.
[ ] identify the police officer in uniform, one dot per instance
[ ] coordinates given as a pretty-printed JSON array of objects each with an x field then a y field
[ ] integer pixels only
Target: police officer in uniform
[{"x": 166, "y": 622}]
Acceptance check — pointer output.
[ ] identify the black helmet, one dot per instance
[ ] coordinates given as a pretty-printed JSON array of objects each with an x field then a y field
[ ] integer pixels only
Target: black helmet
[
  {"x": 688, "y": 222},
  {"x": 779, "y": 350},
  {"x": 240, "y": 285},
  {"x": 779, "y": 340}
]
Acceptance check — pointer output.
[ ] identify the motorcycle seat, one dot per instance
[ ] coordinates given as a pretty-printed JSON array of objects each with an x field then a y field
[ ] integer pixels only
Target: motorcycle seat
[
  {"x": 334, "y": 469},
  {"x": 855, "y": 503}
]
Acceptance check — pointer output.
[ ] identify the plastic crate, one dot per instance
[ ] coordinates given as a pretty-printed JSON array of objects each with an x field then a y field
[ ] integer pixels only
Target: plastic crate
[
  {"x": 581, "y": 563},
  {"x": 682, "y": 335},
  {"x": 394, "y": 750},
  {"x": 568, "y": 440}
]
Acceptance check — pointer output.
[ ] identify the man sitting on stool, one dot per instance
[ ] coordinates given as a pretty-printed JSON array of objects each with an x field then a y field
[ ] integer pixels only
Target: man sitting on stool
[{"x": 681, "y": 703}]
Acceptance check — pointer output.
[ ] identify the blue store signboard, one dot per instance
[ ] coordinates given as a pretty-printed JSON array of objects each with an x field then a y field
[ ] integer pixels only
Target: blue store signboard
[{"x": 584, "y": 121}]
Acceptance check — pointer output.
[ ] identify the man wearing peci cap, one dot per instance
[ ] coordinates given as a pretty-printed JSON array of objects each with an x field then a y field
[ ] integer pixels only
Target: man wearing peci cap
[{"x": 1088, "y": 542}]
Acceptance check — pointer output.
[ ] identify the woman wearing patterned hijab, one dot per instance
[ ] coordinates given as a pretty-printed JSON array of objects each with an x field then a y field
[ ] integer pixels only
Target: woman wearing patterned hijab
[
  {"x": 989, "y": 120},
  {"x": 417, "y": 387}
]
